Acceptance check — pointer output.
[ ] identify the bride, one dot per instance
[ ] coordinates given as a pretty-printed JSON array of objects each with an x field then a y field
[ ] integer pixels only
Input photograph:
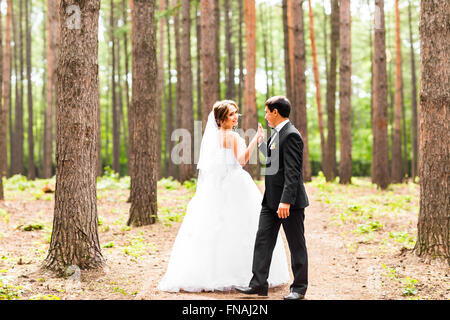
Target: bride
[{"x": 214, "y": 246}]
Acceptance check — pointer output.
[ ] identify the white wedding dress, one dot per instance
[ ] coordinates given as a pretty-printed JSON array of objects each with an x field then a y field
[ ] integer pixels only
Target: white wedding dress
[{"x": 214, "y": 246}]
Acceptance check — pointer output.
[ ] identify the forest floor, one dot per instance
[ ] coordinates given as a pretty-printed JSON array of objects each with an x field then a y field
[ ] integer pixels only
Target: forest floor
[{"x": 359, "y": 242}]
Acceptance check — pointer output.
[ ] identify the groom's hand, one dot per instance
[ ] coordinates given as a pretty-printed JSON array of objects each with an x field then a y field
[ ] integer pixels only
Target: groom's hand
[{"x": 283, "y": 210}]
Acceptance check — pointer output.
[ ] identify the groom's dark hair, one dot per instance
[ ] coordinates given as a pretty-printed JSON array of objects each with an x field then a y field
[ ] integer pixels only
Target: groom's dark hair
[{"x": 280, "y": 103}]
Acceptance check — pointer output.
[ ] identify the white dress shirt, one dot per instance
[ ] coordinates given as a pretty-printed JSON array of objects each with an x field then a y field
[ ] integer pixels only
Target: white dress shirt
[{"x": 277, "y": 129}]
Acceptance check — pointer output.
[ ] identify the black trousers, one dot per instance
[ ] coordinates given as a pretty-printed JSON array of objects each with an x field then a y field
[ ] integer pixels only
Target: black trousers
[{"x": 266, "y": 237}]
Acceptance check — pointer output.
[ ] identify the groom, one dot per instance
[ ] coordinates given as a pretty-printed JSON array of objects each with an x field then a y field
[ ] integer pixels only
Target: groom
[{"x": 284, "y": 202}]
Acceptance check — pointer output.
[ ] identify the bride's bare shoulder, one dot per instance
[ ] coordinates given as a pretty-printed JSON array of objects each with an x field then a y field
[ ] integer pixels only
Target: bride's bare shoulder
[{"x": 229, "y": 139}]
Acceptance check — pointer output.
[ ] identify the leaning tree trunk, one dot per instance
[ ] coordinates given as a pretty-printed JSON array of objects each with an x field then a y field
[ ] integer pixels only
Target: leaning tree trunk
[
  {"x": 380, "y": 163},
  {"x": 345, "y": 93},
  {"x": 433, "y": 228},
  {"x": 396, "y": 172},
  {"x": 300, "y": 83},
  {"x": 330, "y": 161},
  {"x": 75, "y": 238},
  {"x": 210, "y": 66},
  {"x": 143, "y": 210}
]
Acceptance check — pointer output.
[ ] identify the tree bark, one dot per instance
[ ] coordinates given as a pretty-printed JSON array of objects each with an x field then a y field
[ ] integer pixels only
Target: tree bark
[
  {"x": 250, "y": 116},
  {"x": 380, "y": 165},
  {"x": 143, "y": 210},
  {"x": 6, "y": 105},
  {"x": 199, "y": 64},
  {"x": 300, "y": 83},
  {"x": 330, "y": 159},
  {"x": 75, "y": 238},
  {"x": 160, "y": 83},
  {"x": 396, "y": 173},
  {"x": 433, "y": 227},
  {"x": 414, "y": 151},
  {"x": 114, "y": 102},
  {"x": 31, "y": 166},
  {"x": 316, "y": 81},
  {"x": 210, "y": 67},
  {"x": 345, "y": 93},
  {"x": 287, "y": 45},
  {"x": 229, "y": 47},
  {"x": 3, "y": 119},
  {"x": 127, "y": 86},
  {"x": 52, "y": 54},
  {"x": 185, "y": 79},
  {"x": 241, "y": 54}
]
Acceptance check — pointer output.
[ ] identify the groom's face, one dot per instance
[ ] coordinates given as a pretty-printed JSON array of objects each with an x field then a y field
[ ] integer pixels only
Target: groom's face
[{"x": 271, "y": 117}]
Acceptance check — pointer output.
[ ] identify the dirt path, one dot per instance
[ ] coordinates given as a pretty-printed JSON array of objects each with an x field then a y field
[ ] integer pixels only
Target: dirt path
[{"x": 333, "y": 272}]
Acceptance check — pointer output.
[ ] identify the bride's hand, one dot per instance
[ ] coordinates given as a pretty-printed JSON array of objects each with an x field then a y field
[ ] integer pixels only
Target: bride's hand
[{"x": 260, "y": 133}]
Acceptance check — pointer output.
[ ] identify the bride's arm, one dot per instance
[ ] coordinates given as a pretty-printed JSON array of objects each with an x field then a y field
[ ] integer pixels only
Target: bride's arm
[{"x": 243, "y": 157}]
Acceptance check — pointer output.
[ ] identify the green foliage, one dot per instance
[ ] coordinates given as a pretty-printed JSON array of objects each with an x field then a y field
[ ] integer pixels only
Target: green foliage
[
  {"x": 109, "y": 245},
  {"x": 169, "y": 183},
  {"x": 111, "y": 181},
  {"x": 5, "y": 215},
  {"x": 191, "y": 185},
  {"x": 45, "y": 297},
  {"x": 9, "y": 292},
  {"x": 369, "y": 227},
  {"x": 409, "y": 288},
  {"x": 404, "y": 238},
  {"x": 136, "y": 248}
]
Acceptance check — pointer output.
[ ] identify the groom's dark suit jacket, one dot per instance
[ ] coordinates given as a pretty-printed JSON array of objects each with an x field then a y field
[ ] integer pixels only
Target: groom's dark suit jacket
[{"x": 284, "y": 174}]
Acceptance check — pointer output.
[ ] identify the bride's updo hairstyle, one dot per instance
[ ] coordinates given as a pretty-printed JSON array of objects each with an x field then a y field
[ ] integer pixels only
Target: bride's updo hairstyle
[{"x": 221, "y": 111}]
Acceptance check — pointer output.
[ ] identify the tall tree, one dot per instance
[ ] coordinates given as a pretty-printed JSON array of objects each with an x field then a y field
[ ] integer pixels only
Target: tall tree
[
  {"x": 241, "y": 52},
  {"x": 433, "y": 227},
  {"x": 160, "y": 83},
  {"x": 185, "y": 79},
  {"x": 250, "y": 115},
  {"x": 31, "y": 167},
  {"x": 198, "y": 27},
  {"x": 414, "y": 151},
  {"x": 3, "y": 118},
  {"x": 300, "y": 83},
  {"x": 114, "y": 101},
  {"x": 75, "y": 238},
  {"x": 380, "y": 163},
  {"x": 287, "y": 44},
  {"x": 6, "y": 94},
  {"x": 316, "y": 81},
  {"x": 143, "y": 210},
  {"x": 52, "y": 54},
  {"x": 330, "y": 154},
  {"x": 210, "y": 67},
  {"x": 229, "y": 47},
  {"x": 396, "y": 172},
  {"x": 345, "y": 92}
]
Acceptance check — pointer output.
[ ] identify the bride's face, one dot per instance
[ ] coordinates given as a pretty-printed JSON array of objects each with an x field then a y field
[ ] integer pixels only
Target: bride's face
[{"x": 232, "y": 118}]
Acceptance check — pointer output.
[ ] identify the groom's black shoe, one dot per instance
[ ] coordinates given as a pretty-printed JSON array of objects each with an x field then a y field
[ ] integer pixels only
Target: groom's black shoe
[
  {"x": 261, "y": 291},
  {"x": 294, "y": 296}
]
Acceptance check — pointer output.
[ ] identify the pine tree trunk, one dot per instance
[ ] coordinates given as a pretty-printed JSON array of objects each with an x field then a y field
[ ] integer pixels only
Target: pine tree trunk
[
  {"x": 300, "y": 83},
  {"x": 169, "y": 165},
  {"x": 3, "y": 118},
  {"x": 433, "y": 228},
  {"x": 250, "y": 116},
  {"x": 396, "y": 174},
  {"x": 160, "y": 84},
  {"x": 5, "y": 106},
  {"x": 75, "y": 238},
  {"x": 290, "y": 22},
  {"x": 345, "y": 93},
  {"x": 127, "y": 86},
  {"x": 287, "y": 44},
  {"x": 114, "y": 102},
  {"x": 230, "y": 93},
  {"x": 210, "y": 67},
  {"x": 185, "y": 79},
  {"x": 414, "y": 150},
  {"x": 241, "y": 54},
  {"x": 31, "y": 167},
  {"x": 143, "y": 210},
  {"x": 52, "y": 54},
  {"x": 330, "y": 161},
  {"x": 380, "y": 166},
  {"x": 199, "y": 64},
  {"x": 316, "y": 82}
]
